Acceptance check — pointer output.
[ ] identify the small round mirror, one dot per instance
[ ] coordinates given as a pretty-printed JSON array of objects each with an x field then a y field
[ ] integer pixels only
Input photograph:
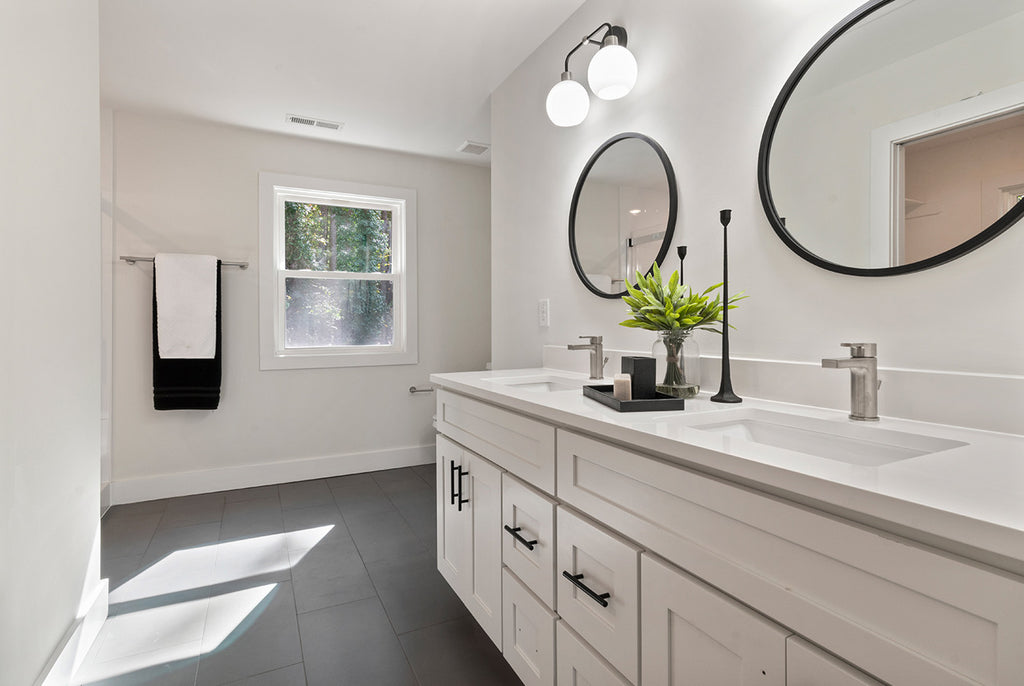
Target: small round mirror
[{"x": 623, "y": 213}]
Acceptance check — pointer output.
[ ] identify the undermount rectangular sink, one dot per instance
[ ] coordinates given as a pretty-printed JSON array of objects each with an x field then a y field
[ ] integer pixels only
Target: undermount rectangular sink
[
  {"x": 857, "y": 444},
  {"x": 540, "y": 383}
]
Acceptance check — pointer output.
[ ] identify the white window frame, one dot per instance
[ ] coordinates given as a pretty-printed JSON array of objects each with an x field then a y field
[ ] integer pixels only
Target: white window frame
[{"x": 276, "y": 189}]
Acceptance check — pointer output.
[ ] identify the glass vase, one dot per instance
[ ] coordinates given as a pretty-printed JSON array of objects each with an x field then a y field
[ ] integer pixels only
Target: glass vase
[{"x": 677, "y": 367}]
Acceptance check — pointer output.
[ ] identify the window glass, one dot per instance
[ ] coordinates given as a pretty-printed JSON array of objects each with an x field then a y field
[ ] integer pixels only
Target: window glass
[
  {"x": 337, "y": 238},
  {"x": 338, "y": 312}
]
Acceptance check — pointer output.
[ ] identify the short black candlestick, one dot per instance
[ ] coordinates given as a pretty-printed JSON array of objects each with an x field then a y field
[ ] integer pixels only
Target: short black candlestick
[
  {"x": 682, "y": 255},
  {"x": 725, "y": 394}
]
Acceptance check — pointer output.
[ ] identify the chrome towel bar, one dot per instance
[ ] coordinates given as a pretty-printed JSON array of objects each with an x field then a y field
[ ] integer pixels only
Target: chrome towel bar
[{"x": 132, "y": 259}]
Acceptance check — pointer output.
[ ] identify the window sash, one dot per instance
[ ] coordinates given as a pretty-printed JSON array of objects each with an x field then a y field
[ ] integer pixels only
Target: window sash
[
  {"x": 274, "y": 190},
  {"x": 398, "y": 337}
]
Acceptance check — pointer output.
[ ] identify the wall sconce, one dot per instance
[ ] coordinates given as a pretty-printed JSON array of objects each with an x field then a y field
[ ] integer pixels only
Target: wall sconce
[{"x": 611, "y": 75}]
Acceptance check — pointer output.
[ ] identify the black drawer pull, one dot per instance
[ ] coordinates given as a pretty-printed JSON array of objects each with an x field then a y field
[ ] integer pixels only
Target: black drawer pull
[
  {"x": 598, "y": 598},
  {"x": 462, "y": 501},
  {"x": 515, "y": 535}
]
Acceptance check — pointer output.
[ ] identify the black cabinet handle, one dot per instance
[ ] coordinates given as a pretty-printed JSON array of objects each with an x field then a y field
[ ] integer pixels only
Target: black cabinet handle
[
  {"x": 598, "y": 598},
  {"x": 451, "y": 480},
  {"x": 515, "y": 535},
  {"x": 462, "y": 501}
]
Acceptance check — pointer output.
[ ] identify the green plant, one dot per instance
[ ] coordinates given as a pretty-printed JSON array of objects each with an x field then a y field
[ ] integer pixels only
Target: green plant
[{"x": 676, "y": 306}]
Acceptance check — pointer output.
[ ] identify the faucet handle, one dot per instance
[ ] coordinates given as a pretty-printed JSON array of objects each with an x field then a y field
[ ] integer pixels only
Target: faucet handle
[
  {"x": 593, "y": 339},
  {"x": 861, "y": 349}
]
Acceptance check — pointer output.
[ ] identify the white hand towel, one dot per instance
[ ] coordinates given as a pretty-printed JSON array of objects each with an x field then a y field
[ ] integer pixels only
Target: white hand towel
[{"x": 186, "y": 306}]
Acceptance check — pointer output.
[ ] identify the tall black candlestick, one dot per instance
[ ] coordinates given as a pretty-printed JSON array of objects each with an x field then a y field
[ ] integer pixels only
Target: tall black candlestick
[{"x": 725, "y": 393}]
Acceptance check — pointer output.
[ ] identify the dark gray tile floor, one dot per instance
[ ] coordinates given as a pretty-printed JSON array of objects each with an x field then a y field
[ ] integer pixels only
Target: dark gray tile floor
[{"x": 331, "y": 582}]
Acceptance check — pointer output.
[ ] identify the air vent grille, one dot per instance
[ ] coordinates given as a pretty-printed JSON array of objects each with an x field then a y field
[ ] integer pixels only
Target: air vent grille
[
  {"x": 313, "y": 121},
  {"x": 473, "y": 148}
]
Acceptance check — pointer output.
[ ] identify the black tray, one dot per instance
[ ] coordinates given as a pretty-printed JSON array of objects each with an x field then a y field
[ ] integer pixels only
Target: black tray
[{"x": 661, "y": 401}]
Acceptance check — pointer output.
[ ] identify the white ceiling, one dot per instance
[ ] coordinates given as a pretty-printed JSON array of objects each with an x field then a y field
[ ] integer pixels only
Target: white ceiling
[{"x": 403, "y": 75}]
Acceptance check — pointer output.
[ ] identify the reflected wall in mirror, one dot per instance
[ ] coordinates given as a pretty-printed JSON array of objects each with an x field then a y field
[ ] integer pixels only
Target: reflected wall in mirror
[
  {"x": 623, "y": 213},
  {"x": 898, "y": 142}
]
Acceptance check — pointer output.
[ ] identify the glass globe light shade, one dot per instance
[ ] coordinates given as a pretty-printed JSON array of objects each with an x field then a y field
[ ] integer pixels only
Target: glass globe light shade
[
  {"x": 612, "y": 72},
  {"x": 568, "y": 103}
]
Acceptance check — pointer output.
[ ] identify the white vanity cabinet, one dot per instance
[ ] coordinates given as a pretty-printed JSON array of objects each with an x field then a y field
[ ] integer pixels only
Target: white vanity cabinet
[
  {"x": 468, "y": 525},
  {"x": 807, "y": 665},
  {"x": 708, "y": 580},
  {"x": 695, "y": 635}
]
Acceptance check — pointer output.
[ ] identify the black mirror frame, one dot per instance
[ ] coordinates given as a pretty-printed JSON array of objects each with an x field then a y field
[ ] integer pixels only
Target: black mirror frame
[
  {"x": 979, "y": 239},
  {"x": 673, "y": 208}
]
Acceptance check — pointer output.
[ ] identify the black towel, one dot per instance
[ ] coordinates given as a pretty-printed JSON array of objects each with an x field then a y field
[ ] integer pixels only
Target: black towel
[{"x": 186, "y": 384}]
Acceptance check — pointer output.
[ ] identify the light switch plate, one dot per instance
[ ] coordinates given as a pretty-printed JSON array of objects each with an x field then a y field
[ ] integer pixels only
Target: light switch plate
[{"x": 544, "y": 312}]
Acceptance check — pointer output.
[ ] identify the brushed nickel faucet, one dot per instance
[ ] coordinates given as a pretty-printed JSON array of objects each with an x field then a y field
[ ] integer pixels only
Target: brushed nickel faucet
[
  {"x": 597, "y": 358},
  {"x": 864, "y": 383}
]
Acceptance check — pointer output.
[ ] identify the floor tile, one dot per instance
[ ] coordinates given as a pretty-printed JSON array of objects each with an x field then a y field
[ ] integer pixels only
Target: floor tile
[
  {"x": 146, "y": 669},
  {"x": 427, "y": 472},
  {"x": 414, "y": 593},
  {"x": 329, "y": 575},
  {"x": 293, "y": 675},
  {"x": 242, "y": 495},
  {"x": 310, "y": 526},
  {"x": 126, "y": 536},
  {"x": 353, "y": 645},
  {"x": 249, "y": 632},
  {"x": 383, "y": 536},
  {"x": 399, "y": 481},
  {"x": 305, "y": 494},
  {"x": 359, "y": 494},
  {"x": 251, "y": 561},
  {"x": 169, "y": 541},
  {"x": 119, "y": 569},
  {"x": 193, "y": 509},
  {"x": 456, "y": 653},
  {"x": 146, "y": 507},
  {"x": 419, "y": 510},
  {"x": 251, "y": 518}
]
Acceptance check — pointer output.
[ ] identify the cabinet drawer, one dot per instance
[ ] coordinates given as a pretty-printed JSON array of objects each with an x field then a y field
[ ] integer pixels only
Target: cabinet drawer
[
  {"x": 898, "y": 610},
  {"x": 695, "y": 635},
  {"x": 519, "y": 444},
  {"x": 578, "y": 664},
  {"x": 608, "y": 565},
  {"x": 529, "y": 633},
  {"x": 528, "y": 514},
  {"x": 806, "y": 665}
]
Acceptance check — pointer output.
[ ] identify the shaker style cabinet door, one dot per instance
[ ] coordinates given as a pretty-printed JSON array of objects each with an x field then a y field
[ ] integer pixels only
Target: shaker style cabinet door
[
  {"x": 695, "y": 635},
  {"x": 806, "y": 665},
  {"x": 529, "y": 633},
  {"x": 469, "y": 532},
  {"x": 598, "y": 593},
  {"x": 454, "y": 556},
  {"x": 528, "y": 535},
  {"x": 578, "y": 665},
  {"x": 481, "y": 486}
]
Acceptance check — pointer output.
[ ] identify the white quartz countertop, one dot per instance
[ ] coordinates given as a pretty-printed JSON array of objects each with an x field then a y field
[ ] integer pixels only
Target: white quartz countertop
[{"x": 968, "y": 498}]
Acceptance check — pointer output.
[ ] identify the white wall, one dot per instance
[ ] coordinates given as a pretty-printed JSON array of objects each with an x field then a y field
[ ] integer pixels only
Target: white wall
[
  {"x": 188, "y": 186},
  {"x": 709, "y": 73},
  {"x": 49, "y": 351}
]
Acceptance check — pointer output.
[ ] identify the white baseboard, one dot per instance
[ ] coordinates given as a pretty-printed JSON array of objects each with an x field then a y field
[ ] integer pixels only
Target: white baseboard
[
  {"x": 246, "y": 476},
  {"x": 77, "y": 640},
  {"x": 991, "y": 402}
]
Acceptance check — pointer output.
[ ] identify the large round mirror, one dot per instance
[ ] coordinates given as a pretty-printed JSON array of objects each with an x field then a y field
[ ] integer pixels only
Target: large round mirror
[
  {"x": 623, "y": 213},
  {"x": 898, "y": 142}
]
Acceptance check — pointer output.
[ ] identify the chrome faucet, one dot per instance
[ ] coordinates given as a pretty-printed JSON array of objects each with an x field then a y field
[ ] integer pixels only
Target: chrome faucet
[
  {"x": 864, "y": 383},
  {"x": 597, "y": 358}
]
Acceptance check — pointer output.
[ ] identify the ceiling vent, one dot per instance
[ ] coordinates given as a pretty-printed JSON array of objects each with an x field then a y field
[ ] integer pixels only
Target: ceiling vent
[
  {"x": 311, "y": 121},
  {"x": 473, "y": 148}
]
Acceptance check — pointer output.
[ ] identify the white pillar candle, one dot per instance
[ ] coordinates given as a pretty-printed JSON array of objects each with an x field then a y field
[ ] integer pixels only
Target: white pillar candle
[{"x": 623, "y": 387}]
